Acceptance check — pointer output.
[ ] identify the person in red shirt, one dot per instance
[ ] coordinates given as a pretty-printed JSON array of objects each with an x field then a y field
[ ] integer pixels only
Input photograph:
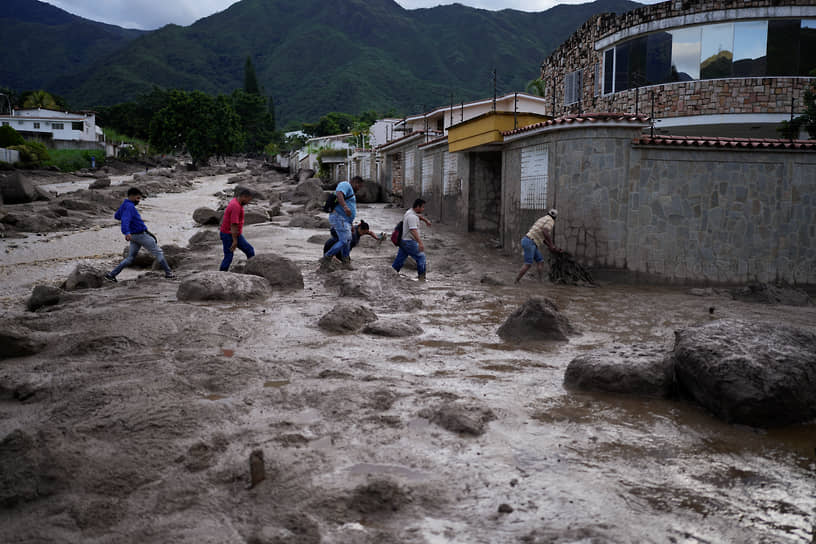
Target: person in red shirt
[{"x": 232, "y": 227}]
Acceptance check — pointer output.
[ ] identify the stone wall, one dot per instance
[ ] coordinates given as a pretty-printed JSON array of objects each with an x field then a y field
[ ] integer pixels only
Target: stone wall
[
  {"x": 673, "y": 214},
  {"x": 732, "y": 95}
]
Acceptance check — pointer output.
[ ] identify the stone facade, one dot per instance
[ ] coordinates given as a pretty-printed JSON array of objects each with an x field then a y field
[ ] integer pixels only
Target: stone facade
[
  {"x": 672, "y": 214},
  {"x": 699, "y": 97}
]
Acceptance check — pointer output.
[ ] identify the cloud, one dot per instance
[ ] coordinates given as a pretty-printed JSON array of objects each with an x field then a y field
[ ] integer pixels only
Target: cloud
[
  {"x": 143, "y": 14},
  {"x": 152, "y": 14}
]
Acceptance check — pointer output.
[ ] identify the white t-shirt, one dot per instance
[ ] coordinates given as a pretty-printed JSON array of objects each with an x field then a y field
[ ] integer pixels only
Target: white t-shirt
[{"x": 409, "y": 221}]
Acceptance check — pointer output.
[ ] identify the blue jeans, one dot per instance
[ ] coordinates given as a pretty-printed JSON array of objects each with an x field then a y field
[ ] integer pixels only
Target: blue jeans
[
  {"x": 343, "y": 230},
  {"x": 410, "y": 248},
  {"x": 530, "y": 251},
  {"x": 138, "y": 241},
  {"x": 243, "y": 245}
]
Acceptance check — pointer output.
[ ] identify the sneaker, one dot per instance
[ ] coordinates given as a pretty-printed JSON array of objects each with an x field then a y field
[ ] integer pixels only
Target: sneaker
[
  {"x": 421, "y": 277},
  {"x": 170, "y": 276},
  {"x": 110, "y": 278}
]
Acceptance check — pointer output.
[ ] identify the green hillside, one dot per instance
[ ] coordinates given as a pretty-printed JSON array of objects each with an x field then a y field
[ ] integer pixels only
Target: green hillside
[{"x": 315, "y": 56}]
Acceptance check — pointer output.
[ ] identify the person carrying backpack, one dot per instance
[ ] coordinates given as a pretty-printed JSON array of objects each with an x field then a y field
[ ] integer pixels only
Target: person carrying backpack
[
  {"x": 411, "y": 244},
  {"x": 342, "y": 217}
]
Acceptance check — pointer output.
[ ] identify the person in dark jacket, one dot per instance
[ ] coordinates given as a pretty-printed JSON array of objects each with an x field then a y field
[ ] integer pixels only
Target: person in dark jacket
[{"x": 136, "y": 233}]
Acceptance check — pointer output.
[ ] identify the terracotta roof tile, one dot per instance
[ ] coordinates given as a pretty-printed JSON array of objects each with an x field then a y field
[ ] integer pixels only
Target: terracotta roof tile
[
  {"x": 584, "y": 118},
  {"x": 730, "y": 143}
]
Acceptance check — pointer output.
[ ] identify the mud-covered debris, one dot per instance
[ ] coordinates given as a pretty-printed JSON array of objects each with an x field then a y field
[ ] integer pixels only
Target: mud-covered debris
[
  {"x": 199, "y": 457},
  {"x": 279, "y": 272},
  {"x": 309, "y": 222},
  {"x": 505, "y": 508},
  {"x": 648, "y": 372},
  {"x": 257, "y": 470},
  {"x": 317, "y": 239},
  {"x": 253, "y": 216},
  {"x": 18, "y": 341},
  {"x": 565, "y": 269},
  {"x": 469, "y": 419},
  {"x": 347, "y": 318},
  {"x": 538, "y": 319},
  {"x": 380, "y": 495},
  {"x": 292, "y": 528},
  {"x": 43, "y": 295},
  {"x": 381, "y": 400},
  {"x": 227, "y": 286},
  {"x": 766, "y": 293},
  {"x": 392, "y": 328},
  {"x": 490, "y": 280},
  {"x": 100, "y": 183}
]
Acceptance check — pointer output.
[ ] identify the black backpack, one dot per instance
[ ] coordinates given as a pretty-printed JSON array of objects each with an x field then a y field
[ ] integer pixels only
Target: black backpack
[{"x": 331, "y": 202}]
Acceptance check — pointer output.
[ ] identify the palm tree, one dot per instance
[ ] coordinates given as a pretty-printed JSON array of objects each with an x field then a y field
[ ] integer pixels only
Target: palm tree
[
  {"x": 536, "y": 87},
  {"x": 40, "y": 99}
]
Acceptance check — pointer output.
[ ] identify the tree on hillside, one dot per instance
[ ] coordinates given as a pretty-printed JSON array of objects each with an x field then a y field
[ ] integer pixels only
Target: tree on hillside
[
  {"x": 133, "y": 118},
  {"x": 329, "y": 124},
  {"x": 39, "y": 99},
  {"x": 536, "y": 87},
  {"x": 194, "y": 121},
  {"x": 250, "y": 79},
  {"x": 9, "y": 100},
  {"x": 254, "y": 118}
]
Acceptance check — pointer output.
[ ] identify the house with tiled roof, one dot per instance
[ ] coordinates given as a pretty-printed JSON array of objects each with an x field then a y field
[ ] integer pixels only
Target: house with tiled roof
[{"x": 57, "y": 129}]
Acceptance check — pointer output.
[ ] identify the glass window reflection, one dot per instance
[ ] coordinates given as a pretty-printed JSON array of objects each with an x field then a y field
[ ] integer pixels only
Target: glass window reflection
[
  {"x": 783, "y": 47},
  {"x": 685, "y": 54},
  {"x": 716, "y": 51},
  {"x": 750, "y": 48},
  {"x": 807, "y": 48}
]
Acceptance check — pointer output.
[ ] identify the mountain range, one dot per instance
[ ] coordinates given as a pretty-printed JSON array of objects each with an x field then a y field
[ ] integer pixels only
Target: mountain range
[{"x": 312, "y": 56}]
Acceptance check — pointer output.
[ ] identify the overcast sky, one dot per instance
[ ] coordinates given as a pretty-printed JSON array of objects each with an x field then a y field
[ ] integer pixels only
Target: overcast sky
[{"x": 152, "y": 14}]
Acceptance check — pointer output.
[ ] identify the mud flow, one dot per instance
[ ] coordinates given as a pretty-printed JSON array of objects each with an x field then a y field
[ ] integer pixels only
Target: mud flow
[{"x": 139, "y": 419}]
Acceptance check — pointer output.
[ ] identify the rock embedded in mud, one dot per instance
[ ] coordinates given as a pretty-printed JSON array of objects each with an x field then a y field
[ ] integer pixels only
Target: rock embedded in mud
[
  {"x": 308, "y": 191},
  {"x": 392, "y": 328},
  {"x": 226, "y": 286},
  {"x": 370, "y": 192},
  {"x": 759, "y": 374},
  {"x": 207, "y": 216},
  {"x": 648, "y": 372},
  {"x": 317, "y": 239},
  {"x": 257, "y": 472},
  {"x": 84, "y": 276},
  {"x": 204, "y": 238},
  {"x": 255, "y": 216},
  {"x": 43, "y": 295},
  {"x": 18, "y": 341},
  {"x": 280, "y": 272},
  {"x": 347, "y": 318},
  {"x": 459, "y": 418},
  {"x": 308, "y": 222},
  {"x": 538, "y": 319},
  {"x": 380, "y": 495},
  {"x": 17, "y": 189},
  {"x": 27, "y": 470},
  {"x": 100, "y": 183}
]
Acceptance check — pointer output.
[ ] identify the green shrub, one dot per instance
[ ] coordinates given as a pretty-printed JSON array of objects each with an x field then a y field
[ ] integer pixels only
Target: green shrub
[
  {"x": 70, "y": 160},
  {"x": 32, "y": 153},
  {"x": 10, "y": 137}
]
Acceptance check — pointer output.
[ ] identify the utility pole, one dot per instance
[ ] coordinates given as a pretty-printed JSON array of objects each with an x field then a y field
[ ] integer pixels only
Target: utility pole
[{"x": 494, "y": 89}]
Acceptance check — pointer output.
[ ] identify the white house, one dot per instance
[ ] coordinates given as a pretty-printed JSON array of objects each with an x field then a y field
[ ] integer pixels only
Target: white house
[{"x": 57, "y": 129}]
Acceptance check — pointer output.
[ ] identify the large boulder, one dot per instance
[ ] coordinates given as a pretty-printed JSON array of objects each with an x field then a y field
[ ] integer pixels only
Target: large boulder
[
  {"x": 203, "y": 239},
  {"x": 308, "y": 191},
  {"x": 17, "y": 189},
  {"x": 347, "y": 318},
  {"x": 759, "y": 374},
  {"x": 538, "y": 319},
  {"x": 100, "y": 183},
  {"x": 18, "y": 341},
  {"x": 227, "y": 286},
  {"x": 370, "y": 192},
  {"x": 304, "y": 174},
  {"x": 84, "y": 276},
  {"x": 207, "y": 216},
  {"x": 309, "y": 222},
  {"x": 646, "y": 370},
  {"x": 255, "y": 216},
  {"x": 280, "y": 272}
]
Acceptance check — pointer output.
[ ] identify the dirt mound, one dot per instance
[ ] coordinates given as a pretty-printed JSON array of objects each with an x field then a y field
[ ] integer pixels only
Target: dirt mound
[
  {"x": 379, "y": 496},
  {"x": 347, "y": 318},
  {"x": 538, "y": 319},
  {"x": 467, "y": 419}
]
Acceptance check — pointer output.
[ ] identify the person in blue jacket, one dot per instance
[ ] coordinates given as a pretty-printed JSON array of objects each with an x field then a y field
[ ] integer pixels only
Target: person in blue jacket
[
  {"x": 342, "y": 218},
  {"x": 136, "y": 233}
]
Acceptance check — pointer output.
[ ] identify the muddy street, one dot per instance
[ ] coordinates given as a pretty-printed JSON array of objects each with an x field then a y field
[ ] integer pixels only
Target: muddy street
[{"x": 137, "y": 420}]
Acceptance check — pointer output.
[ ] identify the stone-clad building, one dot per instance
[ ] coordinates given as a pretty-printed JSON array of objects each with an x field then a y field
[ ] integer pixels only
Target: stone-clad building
[{"x": 725, "y": 68}]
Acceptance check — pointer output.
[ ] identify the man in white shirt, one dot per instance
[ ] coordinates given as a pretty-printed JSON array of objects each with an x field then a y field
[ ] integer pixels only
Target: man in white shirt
[{"x": 411, "y": 244}]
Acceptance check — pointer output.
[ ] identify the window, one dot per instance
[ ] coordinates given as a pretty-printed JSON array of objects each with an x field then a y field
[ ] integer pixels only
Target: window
[
  {"x": 450, "y": 184},
  {"x": 534, "y": 174},
  {"x": 57, "y": 126},
  {"x": 783, "y": 47},
  {"x": 78, "y": 126},
  {"x": 807, "y": 47},
  {"x": 5, "y": 123},
  {"x": 609, "y": 70},
  {"x": 685, "y": 54},
  {"x": 427, "y": 174},
  {"x": 717, "y": 51},
  {"x": 409, "y": 169},
  {"x": 596, "y": 80},
  {"x": 21, "y": 123},
  {"x": 36, "y": 125},
  {"x": 572, "y": 88}
]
